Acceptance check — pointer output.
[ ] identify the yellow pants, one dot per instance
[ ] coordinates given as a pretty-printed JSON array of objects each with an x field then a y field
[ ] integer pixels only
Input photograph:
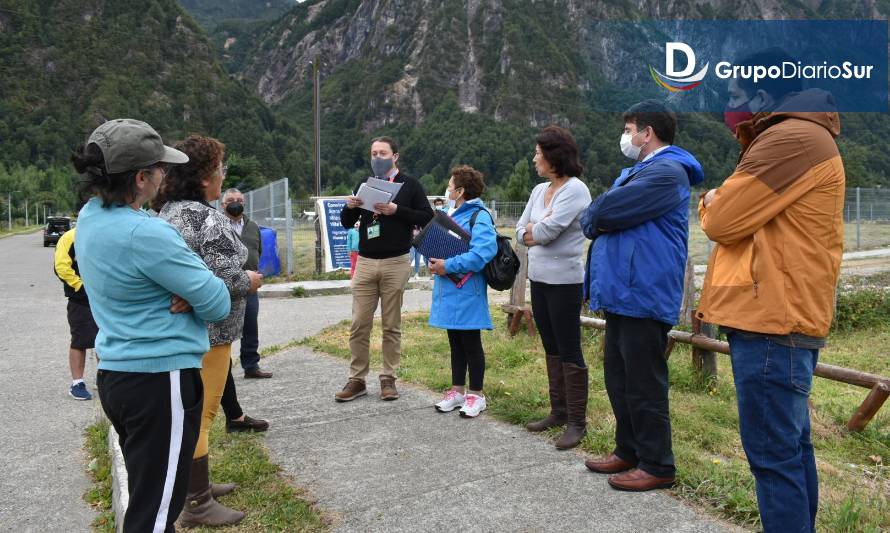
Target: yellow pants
[{"x": 214, "y": 371}]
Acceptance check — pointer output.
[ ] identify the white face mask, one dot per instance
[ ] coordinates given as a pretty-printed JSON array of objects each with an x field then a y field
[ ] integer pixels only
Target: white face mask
[
  {"x": 450, "y": 203},
  {"x": 628, "y": 148}
]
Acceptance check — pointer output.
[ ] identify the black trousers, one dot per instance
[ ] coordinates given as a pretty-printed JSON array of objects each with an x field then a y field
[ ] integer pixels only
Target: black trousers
[
  {"x": 157, "y": 416},
  {"x": 557, "y": 310},
  {"x": 637, "y": 383},
  {"x": 229, "y": 400},
  {"x": 467, "y": 354},
  {"x": 250, "y": 334}
]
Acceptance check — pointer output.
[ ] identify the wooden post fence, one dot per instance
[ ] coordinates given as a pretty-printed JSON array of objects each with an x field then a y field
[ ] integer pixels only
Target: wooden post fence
[
  {"x": 879, "y": 385},
  {"x": 518, "y": 304}
]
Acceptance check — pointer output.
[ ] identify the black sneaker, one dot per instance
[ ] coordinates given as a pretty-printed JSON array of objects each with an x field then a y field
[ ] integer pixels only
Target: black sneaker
[{"x": 248, "y": 424}]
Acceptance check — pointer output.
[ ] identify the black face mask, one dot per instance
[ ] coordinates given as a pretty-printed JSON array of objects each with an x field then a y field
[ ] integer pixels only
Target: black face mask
[{"x": 235, "y": 209}]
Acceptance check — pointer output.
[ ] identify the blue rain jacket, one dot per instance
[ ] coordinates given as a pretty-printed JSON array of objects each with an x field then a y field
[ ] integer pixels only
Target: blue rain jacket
[
  {"x": 466, "y": 307},
  {"x": 640, "y": 227}
]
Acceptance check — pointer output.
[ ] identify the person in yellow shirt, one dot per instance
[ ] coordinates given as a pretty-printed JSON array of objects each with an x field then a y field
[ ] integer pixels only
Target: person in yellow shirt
[{"x": 80, "y": 318}]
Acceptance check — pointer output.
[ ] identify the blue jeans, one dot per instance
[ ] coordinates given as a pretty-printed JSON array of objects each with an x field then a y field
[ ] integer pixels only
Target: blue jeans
[
  {"x": 415, "y": 254},
  {"x": 773, "y": 384},
  {"x": 250, "y": 335}
]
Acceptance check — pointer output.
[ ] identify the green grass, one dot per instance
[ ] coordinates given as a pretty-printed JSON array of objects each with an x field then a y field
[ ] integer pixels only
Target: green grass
[
  {"x": 17, "y": 230},
  {"x": 264, "y": 492},
  {"x": 99, "y": 495},
  {"x": 872, "y": 235},
  {"x": 712, "y": 470}
]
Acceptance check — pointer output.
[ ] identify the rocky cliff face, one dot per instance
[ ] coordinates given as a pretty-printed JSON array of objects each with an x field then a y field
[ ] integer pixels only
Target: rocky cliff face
[{"x": 508, "y": 59}]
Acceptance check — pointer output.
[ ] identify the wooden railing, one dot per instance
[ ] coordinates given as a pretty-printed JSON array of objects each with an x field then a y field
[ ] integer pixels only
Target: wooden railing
[{"x": 704, "y": 347}]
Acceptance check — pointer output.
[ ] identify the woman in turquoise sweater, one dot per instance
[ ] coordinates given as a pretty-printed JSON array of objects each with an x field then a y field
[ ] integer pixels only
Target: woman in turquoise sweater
[
  {"x": 150, "y": 296},
  {"x": 463, "y": 311}
]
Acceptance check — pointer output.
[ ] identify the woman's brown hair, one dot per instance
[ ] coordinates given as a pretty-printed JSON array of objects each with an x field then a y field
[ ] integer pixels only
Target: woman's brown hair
[
  {"x": 183, "y": 182},
  {"x": 560, "y": 150},
  {"x": 470, "y": 180}
]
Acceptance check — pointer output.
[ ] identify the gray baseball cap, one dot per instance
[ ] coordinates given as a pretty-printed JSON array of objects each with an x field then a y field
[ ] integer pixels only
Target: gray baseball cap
[{"x": 129, "y": 144}]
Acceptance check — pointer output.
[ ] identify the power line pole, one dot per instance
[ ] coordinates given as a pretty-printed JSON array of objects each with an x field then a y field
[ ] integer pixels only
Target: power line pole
[
  {"x": 9, "y": 209},
  {"x": 316, "y": 125}
]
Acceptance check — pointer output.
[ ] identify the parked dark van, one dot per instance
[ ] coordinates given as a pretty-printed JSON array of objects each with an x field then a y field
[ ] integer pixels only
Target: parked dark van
[{"x": 55, "y": 227}]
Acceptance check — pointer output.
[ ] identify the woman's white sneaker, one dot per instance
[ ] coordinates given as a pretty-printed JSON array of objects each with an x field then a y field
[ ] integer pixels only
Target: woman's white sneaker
[
  {"x": 473, "y": 405},
  {"x": 451, "y": 401}
]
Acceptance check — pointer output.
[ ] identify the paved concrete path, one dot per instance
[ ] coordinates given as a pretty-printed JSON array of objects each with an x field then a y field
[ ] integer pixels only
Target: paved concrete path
[
  {"x": 374, "y": 465},
  {"x": 41, "y": 436},
  {"x": 400, "y": 466}
]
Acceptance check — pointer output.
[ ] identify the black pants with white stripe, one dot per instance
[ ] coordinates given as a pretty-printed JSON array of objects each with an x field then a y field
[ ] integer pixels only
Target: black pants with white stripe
[{"x": 157, "y": 416}]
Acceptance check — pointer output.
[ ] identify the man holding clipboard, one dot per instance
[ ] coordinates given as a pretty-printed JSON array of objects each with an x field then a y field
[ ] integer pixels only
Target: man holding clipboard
[{"x": 383, "y": 267}]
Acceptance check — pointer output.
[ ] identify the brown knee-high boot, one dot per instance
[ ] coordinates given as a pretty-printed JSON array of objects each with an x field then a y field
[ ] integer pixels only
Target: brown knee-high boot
[
  {"x": 576, "y": 406},
  {"x": 556, "y": 379},
  {"x": 200, "y": 507}
]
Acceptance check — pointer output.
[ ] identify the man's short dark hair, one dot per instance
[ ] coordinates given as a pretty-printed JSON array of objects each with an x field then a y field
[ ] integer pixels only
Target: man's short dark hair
[
  {"x": 388, "y": 140},
  {"x": 560, "y": 149},
  {"x": 656, "y": 115},
  {"x": 775, "y": 87}
]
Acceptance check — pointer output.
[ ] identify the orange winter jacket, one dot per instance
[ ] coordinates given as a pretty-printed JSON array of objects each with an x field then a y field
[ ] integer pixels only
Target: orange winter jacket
[{"x": 777, "y": 221}]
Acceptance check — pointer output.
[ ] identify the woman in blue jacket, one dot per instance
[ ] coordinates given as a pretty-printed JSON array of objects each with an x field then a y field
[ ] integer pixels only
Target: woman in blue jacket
[{"x": 463, "y": 311}]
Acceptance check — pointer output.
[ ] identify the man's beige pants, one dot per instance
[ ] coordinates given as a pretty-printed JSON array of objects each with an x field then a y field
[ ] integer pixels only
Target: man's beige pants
[{"x": 383, "y": 280}]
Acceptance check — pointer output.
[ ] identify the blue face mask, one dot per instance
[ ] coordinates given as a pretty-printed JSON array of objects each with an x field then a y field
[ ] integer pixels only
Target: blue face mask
[{"x": 381, "y": 166}]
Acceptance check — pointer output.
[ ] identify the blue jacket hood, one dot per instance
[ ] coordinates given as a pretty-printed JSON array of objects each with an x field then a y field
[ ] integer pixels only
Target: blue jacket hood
[{"x": 690, "y": 164}]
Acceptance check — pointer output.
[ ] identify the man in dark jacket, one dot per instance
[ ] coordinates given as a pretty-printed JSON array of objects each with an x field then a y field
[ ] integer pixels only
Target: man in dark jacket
[
  {"x": 383, "y": 270},
  {"x": 249, "y": 233},
  {"x": 635, "y": 275}
]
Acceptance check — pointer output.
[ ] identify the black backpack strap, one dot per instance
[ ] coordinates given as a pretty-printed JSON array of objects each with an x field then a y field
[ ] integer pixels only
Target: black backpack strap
[{"x": 476, "y": 214}]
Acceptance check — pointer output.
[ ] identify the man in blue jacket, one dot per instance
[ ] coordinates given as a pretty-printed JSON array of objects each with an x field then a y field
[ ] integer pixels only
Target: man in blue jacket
[{"x": 635, "y": 273}]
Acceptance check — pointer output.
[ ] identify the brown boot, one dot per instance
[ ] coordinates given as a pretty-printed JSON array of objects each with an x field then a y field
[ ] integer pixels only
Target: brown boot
[
  {"x": 388, "y": 391},
  {"x": 557, "y": 416},
  {"x": 576, "y": 406},
  {"x": 221, "y": 489},
  {"x": 200, "y": 507}
]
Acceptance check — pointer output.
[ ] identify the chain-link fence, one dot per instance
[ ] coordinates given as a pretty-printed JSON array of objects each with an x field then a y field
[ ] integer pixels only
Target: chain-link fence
[
  {"x": 866, "y": 217},
  {"x": 270, "y": 206}
]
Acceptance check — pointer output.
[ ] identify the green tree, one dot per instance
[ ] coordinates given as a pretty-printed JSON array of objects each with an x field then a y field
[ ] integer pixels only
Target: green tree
[
  {"x": 518, "y": 184},
  {"x": 432, "y": 186}
]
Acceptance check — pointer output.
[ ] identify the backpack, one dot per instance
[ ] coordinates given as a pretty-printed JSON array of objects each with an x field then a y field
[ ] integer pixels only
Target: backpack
[{"x": 500, "y": 272}]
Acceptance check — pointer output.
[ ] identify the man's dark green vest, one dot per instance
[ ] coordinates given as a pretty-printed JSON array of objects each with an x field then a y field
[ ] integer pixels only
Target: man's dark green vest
[{"x": 250, "y": 236}]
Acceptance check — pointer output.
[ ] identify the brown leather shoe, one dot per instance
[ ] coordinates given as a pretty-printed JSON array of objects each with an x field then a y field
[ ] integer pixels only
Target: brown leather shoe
[
  {"x": 639, "y": 480},
  {"x": 610, "y": 464},
  {"x": 388, "y": 390},
  {"x": 256, "y": 373},
  {"x": 353, "y": 389}
]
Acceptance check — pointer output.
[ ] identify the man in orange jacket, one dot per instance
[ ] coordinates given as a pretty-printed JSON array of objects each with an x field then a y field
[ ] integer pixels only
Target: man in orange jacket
[{"x": 777, "y": 221}]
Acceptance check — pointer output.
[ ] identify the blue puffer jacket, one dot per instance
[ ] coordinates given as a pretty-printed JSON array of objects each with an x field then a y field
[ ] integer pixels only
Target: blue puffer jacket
[
  {"x": 640, "y": 228},
  {"x": 466, "y": 307}
]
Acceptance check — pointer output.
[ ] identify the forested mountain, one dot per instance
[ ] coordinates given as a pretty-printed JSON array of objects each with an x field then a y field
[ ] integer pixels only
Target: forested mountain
[
  {"x": 470, "y": 81},
  {"x": 209, "y": 13},
  {"x": 456, "y": 81},
  {"x": 68, "y": 65}
]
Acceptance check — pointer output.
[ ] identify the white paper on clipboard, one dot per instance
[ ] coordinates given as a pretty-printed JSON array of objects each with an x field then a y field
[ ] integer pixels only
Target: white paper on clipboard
[
  {"x": 385, "y": 185},
  {"x": 370, "y": 196}
]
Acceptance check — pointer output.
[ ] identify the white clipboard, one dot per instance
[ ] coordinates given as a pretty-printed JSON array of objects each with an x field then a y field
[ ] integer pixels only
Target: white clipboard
[
  {"x": 385, "y": 185},
  {"x": 370, "y": 196}
]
